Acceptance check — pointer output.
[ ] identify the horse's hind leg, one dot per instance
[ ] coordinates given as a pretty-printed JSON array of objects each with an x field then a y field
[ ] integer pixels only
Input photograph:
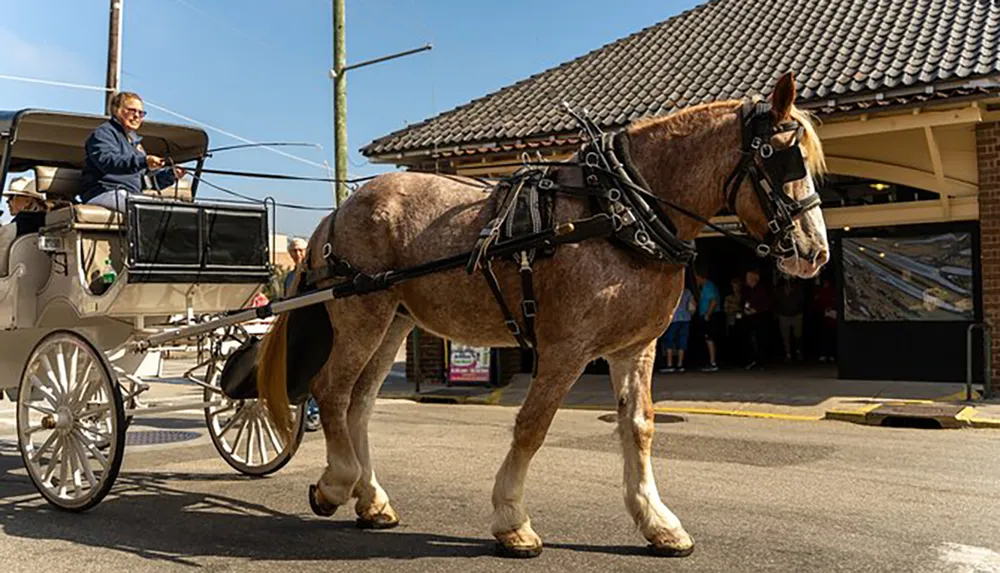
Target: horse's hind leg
[
  {"x": 631, "y": 373},
  {"x": 373, "y": 509},
  {"x": 359, "y": 324},
  {"x": 557, "y": 372}
]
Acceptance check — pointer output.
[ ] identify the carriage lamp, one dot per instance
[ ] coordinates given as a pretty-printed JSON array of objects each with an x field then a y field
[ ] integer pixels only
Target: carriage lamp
[{"x": 50, "y": 244}]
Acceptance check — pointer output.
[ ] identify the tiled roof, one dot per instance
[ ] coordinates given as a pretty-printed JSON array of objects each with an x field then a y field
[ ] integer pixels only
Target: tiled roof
[{"x": 843, "y": 52}]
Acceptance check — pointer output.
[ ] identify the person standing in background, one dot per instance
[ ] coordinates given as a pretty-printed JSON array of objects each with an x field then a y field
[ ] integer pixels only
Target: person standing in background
[
  {"x": 676, "y": 337},
  {"x": 732, "y": 306},
  {"x": 790, "y": 304},
  {"x": 710, "y": 313},
  {"x": 825, "y": 303},
  {"x": 757, "y": 309}
]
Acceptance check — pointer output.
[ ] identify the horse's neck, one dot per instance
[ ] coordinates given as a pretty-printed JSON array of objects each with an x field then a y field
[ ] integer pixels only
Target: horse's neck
[{"x": 688, "y": 170}]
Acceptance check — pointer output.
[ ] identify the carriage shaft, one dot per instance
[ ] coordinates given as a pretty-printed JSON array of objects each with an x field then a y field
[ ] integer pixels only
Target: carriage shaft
[{"x": 596, "y": 226}]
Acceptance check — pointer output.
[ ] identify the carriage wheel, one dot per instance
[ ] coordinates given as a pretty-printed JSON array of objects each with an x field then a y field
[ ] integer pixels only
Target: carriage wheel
[
  {"x": 244, "y": 434},
  {"x": 70, "y": 422}
]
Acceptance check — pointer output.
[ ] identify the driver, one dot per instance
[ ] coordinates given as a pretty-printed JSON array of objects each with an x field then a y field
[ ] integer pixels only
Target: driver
[{"x": 115, "y": 160}]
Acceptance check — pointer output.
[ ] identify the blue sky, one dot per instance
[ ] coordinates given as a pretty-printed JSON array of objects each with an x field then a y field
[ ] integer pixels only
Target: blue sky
[{"x": 258, "y": 68}]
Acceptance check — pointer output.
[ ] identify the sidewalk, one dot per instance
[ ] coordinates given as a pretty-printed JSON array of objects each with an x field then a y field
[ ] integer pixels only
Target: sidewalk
[{"x": 789, "y": 393}]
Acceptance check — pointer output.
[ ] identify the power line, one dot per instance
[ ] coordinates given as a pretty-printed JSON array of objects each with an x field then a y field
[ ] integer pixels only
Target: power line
[{"x": 167, "y": 111}]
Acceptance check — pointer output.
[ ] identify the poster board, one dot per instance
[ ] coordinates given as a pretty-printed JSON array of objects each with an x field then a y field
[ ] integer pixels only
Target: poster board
[{"x": 468, "y": 364}]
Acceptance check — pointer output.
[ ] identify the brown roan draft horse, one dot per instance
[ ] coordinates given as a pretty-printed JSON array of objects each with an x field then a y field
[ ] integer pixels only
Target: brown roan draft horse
[{"x": 594, "y": 299}]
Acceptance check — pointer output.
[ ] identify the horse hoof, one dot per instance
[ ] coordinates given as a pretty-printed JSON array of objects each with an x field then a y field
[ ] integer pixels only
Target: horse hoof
[
  {"x": 318, "y": 506},
  {"x": 380, "y": 521},
  {"x": 667, "y": 551},
  {"x": 517, "y": 552}
]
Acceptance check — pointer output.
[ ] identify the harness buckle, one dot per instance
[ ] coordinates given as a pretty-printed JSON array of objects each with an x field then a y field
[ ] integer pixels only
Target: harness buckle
[
  {"x": 591, "y": 159},
  {"x": 774, "y": 226},
  {"x": 762, "y": 250},
  {"x": 545, "y": 184},
  {"x": 529, "y": 308},
  {"x": 513, "y": 327},
  {"x": 614, "y": 195},
  {"x": 755, "y": 144},
  {"x": 327, "y": 250},
  {"x": 592, "y": 180},
  {"x": 766, "y": 151}
]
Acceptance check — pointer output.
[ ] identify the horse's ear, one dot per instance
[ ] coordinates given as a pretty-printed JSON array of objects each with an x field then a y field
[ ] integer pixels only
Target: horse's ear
[{"x": 783, "y": 97}]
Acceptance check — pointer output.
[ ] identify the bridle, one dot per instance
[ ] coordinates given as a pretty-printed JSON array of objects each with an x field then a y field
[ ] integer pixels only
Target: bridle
[{"x": 769, "y": 170}]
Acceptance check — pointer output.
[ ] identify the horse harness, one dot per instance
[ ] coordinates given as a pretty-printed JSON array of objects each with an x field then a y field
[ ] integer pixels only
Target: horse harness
[{"x": 616, "y": 192}]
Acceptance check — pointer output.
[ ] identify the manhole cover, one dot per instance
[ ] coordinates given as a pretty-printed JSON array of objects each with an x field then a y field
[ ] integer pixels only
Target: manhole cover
[
  {"x": 658, "y": 418},
  {"x": 148, "y": 438}
]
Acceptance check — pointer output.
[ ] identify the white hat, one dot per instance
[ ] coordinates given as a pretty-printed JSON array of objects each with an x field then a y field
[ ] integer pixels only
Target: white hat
[{"x": 25, "y": 187}]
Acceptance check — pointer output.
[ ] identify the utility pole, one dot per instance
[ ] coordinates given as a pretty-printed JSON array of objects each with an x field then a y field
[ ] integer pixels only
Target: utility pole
[
  {"x": 339, "y": 76},
  {"x": 340, "y": 100},
  {"x": 114, "y": 54}
]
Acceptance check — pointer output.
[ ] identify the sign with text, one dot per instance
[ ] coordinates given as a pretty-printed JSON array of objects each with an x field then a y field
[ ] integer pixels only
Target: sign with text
[{"x": 468, "y": 363}]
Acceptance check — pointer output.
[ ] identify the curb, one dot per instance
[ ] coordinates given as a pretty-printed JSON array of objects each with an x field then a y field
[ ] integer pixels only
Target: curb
[
  {"x": 870, "y": 415},
  {"x": 866, "y": 415}
]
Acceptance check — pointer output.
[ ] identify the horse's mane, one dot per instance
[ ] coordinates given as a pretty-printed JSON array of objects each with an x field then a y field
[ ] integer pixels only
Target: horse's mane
[{"x": 683, "y": 121}]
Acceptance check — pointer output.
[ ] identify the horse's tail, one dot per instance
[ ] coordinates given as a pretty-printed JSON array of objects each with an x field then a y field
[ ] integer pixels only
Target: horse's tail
[{"x": 272, "y": 386}]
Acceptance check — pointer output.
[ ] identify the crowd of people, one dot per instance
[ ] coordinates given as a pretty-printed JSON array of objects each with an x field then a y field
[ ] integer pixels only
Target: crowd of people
[{"x": 757, "y": 322}]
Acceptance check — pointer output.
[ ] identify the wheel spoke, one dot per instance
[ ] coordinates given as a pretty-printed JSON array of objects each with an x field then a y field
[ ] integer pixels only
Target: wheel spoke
[
  {"x": 101, "y": 459},
  {"x": 92, "y": 412},
  {"x": 275, "y": 440},
  {"x": 56, "y": 453},
  {"x": 250, "y": 438},
  {"x": 61, "y": 364},
  {"x": 79, "y": 393},
  {"x": 42, "y": 409},
  {"x": 260, "y": 440},
  {"x": 50, "y": 373},
  {"x": 73, "y": 361},
  {"x": 239, "y": 433},
  {"x": 36, "y": 456},
  {"x": 84, "y": 463},
  {"x": 232, "y": 421},
  {"x": 50, "y": 394}
]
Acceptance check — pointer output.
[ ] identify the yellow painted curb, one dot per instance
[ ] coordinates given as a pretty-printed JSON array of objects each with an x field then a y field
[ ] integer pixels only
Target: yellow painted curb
[
  {"x": 855, "y": 415},
  {"x": 986, "y": 423},
  {"x": 738, "y": 413},
  {"x": 959, "y": 396}
]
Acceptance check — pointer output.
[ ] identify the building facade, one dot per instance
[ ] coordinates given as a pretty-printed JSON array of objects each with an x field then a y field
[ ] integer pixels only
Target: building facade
[{"x": 908, "y": 96}]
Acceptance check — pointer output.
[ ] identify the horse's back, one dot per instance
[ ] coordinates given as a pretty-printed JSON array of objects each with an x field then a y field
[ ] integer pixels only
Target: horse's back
[{"x": 404, "y": 219}]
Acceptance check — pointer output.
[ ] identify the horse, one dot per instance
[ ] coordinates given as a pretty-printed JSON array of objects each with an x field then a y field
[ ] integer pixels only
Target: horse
[{"x": 594, "y": 299}]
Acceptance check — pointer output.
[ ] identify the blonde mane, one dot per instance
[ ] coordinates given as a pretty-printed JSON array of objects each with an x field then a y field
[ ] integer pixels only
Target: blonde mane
[{"x": 684, "y": 122}]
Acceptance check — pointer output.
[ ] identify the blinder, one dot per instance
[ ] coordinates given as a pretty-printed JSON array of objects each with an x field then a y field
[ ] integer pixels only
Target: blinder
[{"x": 769, "y": 170}]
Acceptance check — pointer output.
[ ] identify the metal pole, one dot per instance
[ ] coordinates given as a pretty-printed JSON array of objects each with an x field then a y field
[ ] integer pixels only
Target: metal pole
[
  {"x": 988, "y": 359},
  {"x": 113, "y": 81},
  {"x": 968, "y": 362},
  {"x": 340, "y": 100}
]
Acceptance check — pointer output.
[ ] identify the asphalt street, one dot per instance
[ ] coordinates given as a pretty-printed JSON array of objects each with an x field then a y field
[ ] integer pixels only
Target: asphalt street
[{"x": 756, "y": 495}]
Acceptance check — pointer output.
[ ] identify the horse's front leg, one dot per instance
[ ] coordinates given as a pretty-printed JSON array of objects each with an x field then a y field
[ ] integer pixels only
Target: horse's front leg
[
  {"x": 511, "y": 524},
  {"x": 631, "y": 373}
]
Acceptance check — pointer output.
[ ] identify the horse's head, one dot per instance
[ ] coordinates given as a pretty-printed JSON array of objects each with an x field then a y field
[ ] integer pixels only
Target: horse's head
[{"x": 772, "y": 190}]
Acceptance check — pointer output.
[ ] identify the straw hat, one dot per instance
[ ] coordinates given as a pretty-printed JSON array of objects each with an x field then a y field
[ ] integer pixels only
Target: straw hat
[{"x": 24, "y": 187}]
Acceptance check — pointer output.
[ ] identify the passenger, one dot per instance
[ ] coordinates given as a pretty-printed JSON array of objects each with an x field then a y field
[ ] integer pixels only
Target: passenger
[
  {"x": 115, "y": 160},
  {"x": 27, "y": 206}
]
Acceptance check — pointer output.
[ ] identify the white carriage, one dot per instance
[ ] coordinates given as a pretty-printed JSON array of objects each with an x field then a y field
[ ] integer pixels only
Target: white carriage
[{"x": 74, "y": 334}]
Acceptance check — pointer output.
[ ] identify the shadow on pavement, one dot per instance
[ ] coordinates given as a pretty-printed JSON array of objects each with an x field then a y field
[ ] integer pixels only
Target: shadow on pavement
[{"x": 148, "y": 517}]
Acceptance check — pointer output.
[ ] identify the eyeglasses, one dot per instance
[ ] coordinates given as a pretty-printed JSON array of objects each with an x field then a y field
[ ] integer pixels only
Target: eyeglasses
[{"x": 133, "y": 111}]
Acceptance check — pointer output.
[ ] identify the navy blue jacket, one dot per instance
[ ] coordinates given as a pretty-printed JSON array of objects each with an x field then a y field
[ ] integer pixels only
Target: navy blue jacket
[{"x": 114, "y": 161}]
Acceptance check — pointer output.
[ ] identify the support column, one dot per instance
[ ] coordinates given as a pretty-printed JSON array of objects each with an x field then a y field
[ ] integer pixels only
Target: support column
[{"x": 988, "y": 154}]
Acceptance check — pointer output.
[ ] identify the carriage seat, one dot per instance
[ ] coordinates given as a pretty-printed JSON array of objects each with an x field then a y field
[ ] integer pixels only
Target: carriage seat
[
  {"x": 62, "y": 184},
  {"x": 7, "y": 235}
]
